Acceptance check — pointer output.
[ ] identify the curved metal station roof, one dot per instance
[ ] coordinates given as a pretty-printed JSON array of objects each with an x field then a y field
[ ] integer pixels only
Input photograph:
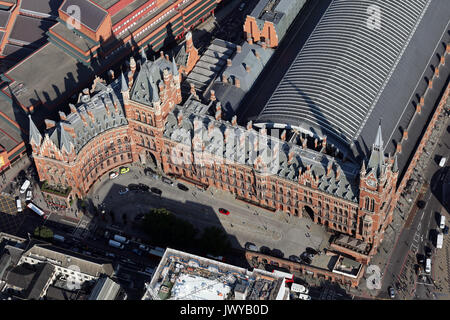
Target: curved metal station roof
[{"x": 338, "y": 76}]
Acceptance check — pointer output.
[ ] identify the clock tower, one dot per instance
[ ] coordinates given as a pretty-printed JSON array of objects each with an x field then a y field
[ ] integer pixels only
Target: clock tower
[{"x": 376, "y": 188}]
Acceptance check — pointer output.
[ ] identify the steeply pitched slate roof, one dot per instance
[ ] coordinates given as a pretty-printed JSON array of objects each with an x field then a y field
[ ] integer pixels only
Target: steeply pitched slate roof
[
  {"x": 35, "y": 135},
  {"x": 145, "y": 87},
  {"x": 345, "y": 187},
  {"x": 102, "y": 107}
]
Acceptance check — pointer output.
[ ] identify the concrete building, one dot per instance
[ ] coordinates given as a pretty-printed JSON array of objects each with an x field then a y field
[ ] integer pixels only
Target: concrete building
[
  {"x": 36, "y": 271},
  {"x": 184, "y": 276}
]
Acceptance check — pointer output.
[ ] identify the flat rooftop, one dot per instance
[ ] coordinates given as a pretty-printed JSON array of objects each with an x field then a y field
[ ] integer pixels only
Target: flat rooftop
[
  {"x": 47, "y": 74},
  {"x": 184, "y": 276},
  {"x": 28, "y": 30}
]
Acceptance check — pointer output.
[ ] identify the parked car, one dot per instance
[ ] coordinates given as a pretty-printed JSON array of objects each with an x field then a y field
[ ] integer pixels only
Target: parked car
[
  {"x": 123, "y": 191},
  {"x": 137, "y": 251},
  {"x": 251, "y": 246},
  {"x": 445, "y": 230},
  {"x": 168, "y": 181},
  {"x": 156, "y": 191},
  {"x": 311, "y": 251},
  {"x": 182, "y": 187},
  {"x": 113, "y": 175},
  {"x": 124, "y": 170},
  {"x": 428, "y": 252},
  {"x": 442, "y": 162},
  {"x": 133, "y": 187},
  {"x": 143, "y": 247},
  {"x": 144, "y": 187},
  {"x": 295, "y": 259},
  {"x": 391, "y": 292},
  {"x": 224, "y": 211}
]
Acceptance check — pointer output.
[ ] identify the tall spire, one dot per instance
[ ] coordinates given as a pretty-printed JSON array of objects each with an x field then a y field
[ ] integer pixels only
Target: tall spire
[
  {"x": 378, "y": 145},
  {"x": 155, "y": 95},
  {"x": 35, "y": 135},
  {"x": 395, "y": 165},
  {"x": 123, "y": 84},
  {"x": 143, "y": 55},
  {"x": 376, "y": 161},
  {"x": 174, "y": 67}
]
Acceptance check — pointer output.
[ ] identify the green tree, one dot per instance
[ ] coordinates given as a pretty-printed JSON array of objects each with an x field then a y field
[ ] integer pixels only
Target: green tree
[{"x": 43, "y": 232}]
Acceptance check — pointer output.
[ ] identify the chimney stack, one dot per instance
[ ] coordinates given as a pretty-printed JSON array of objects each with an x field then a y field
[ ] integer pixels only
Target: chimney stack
[
  {"x": 218, "y": 114},
  {"x": 283, "y": 135},
  {"x": 72, "y": 108},
  {"x": 291, "y": 156},
  {"x": 436, "y": 71},
  {"x": 62, "y": 116},
  {"x": 238, "y": 49},
  {"x": 234, "y": 120},
  {"x": 237, "y": 82},
  {"x": 250, "y": 125},
  {"x": 49, "y": 124},
  {"x": 405, "y": 134},
  {"x": 167, "y": 57},
  {"x": 250, "y": 39},
  {"x": 257, "y": 55},
  {"x": 247, "y": 68},
  {"x": 442, "y": 62},
  {"x": 338, "y": 174},
  {"x": 264, "y": 45},
  {"x": 180, "y": 118},
  {"x": 229, "y": 63},
  {"x": 213, "y": 95}
]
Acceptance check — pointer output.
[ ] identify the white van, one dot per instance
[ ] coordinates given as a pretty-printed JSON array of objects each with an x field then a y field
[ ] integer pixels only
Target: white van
[
  {"x": 442, "y": 223},
  {"x": 25, "y": 186},
  {"x": 428, "y": 265},
  {"x": 19, "y": 205},
  {"x": 442, "y": 162},
  {"x": 29, "y": 195}
]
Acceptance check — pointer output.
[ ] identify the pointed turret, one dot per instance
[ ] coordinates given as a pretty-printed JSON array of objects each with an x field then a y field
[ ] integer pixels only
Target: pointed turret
[
  {"x": 376, "y": 161},
  {"x": 123, "y": 84},
  {"x": 65, "y": 140},
  {"x": 395, "y": 165},
  {"x": 155, "y": 95},
  {"x": 143, "y": 56},
  {"x": 35, "y": 135},
  {"x": 174, "y": 68}
]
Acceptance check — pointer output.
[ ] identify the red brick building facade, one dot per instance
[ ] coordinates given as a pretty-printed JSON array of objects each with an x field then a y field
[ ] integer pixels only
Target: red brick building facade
[{"x": 139, "y": 120}]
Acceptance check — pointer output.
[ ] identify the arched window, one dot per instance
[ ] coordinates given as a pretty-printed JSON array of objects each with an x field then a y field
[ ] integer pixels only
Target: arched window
[{"x": 367, "y": 203}]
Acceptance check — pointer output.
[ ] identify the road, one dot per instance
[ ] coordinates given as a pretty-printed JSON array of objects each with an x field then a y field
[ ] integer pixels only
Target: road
[
  {"x": 419, "y": 231},
  {"x": 246, "y": 223}
]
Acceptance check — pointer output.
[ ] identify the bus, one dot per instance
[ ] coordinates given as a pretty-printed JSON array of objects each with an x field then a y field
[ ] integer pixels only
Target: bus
[
  {"x": 289, "y": 277},
  {"x": 37, "y": 210}
]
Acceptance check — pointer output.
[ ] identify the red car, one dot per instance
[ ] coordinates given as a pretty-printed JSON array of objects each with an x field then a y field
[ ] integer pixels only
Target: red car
[{"x": 224, "y": 211}]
